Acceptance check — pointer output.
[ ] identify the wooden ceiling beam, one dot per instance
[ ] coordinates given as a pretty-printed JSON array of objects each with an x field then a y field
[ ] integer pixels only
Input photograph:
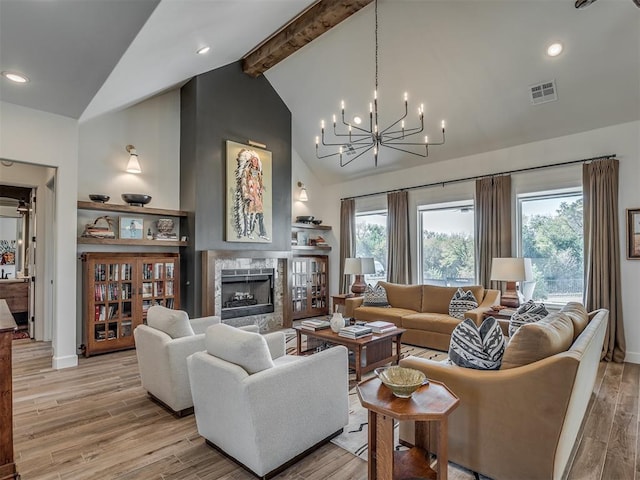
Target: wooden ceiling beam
[{"x": 306, "y": 27}]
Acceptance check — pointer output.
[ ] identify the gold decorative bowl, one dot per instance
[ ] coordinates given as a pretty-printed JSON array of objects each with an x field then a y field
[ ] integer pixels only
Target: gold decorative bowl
[{"x": 401, "y": 381}]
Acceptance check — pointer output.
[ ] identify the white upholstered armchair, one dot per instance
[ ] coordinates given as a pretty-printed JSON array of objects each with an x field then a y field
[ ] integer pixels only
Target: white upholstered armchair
[
  {"x": 162, "y": 348},
  {"x": 261, "y": 407}
]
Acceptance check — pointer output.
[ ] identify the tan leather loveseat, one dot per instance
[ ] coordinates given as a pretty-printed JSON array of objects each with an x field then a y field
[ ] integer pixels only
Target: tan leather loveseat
[
  {"x": 423, "y": 310},
  {"x": 521, "y": 422}
]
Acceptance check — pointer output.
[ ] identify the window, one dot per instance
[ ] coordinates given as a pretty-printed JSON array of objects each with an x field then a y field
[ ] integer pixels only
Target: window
[
  {"x": 551, "y": 235},
  {"x": 371, "y": 242},
  {"x": 446, "y": 247}
]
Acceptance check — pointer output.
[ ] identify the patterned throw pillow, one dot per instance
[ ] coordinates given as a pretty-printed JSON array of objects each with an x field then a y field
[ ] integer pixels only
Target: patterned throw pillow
[
  {"x": 527, "y": 313},
  {"x": 461, "y": 302},
  {"x": 480, "y": 348},
  {"x": 375, "y": 296}
]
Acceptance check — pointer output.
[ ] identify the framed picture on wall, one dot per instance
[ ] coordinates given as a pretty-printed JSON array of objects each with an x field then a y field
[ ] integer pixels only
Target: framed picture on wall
[
  {"x": 248, "y": 194},
  {"x": 131, "y": 228},
  {"x": 633, "y": 233}
]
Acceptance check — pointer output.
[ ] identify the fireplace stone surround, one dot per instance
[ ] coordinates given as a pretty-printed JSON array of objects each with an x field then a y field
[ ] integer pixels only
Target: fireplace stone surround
[{"x": 214, "y": 261}]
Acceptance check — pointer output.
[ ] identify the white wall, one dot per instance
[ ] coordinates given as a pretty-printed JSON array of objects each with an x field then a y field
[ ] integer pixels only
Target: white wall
[
  {"x": 153, "y": 127},
  {"x": 623, "y": 140},
  {"x": 40, "y": 138}
]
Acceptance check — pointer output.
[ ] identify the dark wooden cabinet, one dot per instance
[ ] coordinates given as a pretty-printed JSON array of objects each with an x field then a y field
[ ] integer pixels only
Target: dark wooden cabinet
[
  {"x": 309, "y": 283},
  {"x": 7, "y": 327},
  {"x": 119, "y": 288}
]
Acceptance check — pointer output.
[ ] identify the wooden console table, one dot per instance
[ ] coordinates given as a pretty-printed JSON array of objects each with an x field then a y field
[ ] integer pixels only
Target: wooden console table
[
  {"x": 429, "y": 407},
  {"x": 7, "y": 327}
]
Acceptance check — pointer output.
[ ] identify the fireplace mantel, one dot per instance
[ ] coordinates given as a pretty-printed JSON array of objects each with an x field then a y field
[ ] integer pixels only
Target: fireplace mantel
[{"x": 210, "y": 281}]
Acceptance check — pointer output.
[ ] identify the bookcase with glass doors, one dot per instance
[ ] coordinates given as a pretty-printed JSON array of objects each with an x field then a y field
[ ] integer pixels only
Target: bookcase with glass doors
[{"x": 118, "y": 289}]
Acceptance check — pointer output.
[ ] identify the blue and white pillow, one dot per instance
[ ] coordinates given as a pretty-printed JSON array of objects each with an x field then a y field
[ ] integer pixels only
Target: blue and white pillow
[
  {"x": 461, "y": 302},
  {"x": 375, "y": 296},
  {"x": 480, "y": 348},
  {"x": 527, "y": 313}
]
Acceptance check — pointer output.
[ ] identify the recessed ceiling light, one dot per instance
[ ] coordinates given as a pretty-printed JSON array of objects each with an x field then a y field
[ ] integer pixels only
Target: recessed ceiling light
[
  {"x": 554, "y": 49},
  {"x": 15, "y": 77},
  {"x": 203, "y": 50},
  {"x": 357, "y": 120}
]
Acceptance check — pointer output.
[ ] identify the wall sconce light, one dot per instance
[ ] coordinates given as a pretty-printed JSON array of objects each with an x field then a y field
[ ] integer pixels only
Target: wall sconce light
[
  {"x": 134, "y": 165},
  {"x": 303, "y": 197},
  {"x": 22, "y": 207}
]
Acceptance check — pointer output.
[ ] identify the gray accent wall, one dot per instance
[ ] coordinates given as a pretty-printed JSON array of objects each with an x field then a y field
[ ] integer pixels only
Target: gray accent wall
[{"x": 220, "y": 105}]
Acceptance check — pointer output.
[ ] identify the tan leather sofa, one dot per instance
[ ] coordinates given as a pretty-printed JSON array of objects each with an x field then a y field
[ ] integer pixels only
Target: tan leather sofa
[
  {"x": 521, "y": 422},
  {"x": 423, "y": 310}
]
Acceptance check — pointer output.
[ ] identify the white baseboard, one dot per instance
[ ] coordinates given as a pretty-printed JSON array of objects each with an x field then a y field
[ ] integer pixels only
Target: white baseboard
[
  {"x": 64, "y": 362},
  {"x": 632, "y": 357}
]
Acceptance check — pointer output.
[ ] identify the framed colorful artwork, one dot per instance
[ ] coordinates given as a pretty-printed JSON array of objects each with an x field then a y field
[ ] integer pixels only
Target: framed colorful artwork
[
  {"x": 248, "y": 194},
  {"x": 633, "y": 233}
]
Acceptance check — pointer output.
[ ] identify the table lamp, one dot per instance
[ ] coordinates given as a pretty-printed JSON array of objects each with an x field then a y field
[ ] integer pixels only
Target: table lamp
[
  {"x": 359, "y": 267},
  {"x": 511, "y": 270}
]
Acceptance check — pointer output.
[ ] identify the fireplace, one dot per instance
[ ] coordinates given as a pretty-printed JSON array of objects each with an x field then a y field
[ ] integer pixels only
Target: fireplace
[{"x": 246, "y": 291}]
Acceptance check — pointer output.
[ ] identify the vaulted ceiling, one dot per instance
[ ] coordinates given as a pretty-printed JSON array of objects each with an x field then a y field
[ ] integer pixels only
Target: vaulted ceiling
[{"x": 471, "y": 62}]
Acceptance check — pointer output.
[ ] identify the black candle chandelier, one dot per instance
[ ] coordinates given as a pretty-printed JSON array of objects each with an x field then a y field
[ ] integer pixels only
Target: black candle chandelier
[{"x": 355, "y": 140}]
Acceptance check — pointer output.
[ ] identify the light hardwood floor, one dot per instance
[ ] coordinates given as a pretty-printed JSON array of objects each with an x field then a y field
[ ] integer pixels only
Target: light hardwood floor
[{"x": 96, "y": 422}]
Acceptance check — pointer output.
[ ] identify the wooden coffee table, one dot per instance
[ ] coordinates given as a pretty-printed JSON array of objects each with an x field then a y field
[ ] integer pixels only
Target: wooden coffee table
[{"x": 379, "y": 347}]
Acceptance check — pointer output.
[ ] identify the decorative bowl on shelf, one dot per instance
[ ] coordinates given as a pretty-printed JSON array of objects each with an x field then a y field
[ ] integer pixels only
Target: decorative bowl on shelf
[
  {"x": 95, "y": 197},
  {"x": 400, "y": 380},
  {"x": 136, "y": 199},
  {"x": 316, "y": 221},
  {"x": 304, "y": 219}
]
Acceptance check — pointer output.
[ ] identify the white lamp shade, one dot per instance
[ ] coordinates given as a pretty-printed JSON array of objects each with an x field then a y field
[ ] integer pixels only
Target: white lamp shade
[
  {"x": 359, "y": 266},
  {"x": 134, "y": 165},
  {"x": 303, "y": 195},
  {"x": 511, "y": 269}
]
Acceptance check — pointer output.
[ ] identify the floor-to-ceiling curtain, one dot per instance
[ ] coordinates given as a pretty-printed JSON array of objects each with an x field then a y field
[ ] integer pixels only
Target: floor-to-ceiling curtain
[
  {"x": 492, "y": 224},
  {"x": 398, "y": 252},
  {"x": 347, "y": 238},
  {"x": 602, "y": 288}
]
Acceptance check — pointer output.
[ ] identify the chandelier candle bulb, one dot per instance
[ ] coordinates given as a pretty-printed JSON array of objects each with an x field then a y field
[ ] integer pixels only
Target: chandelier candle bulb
[
  {"x": 322, "y": 124},
  {"x": 443, "y": 125},
  {"x": 426, "y": 139},
  {"x": 342, "y": 105},
  {"x": 317, "y": 141},
  {"x": 406, "y": 97},
  {"x": 370, "y": 107}
]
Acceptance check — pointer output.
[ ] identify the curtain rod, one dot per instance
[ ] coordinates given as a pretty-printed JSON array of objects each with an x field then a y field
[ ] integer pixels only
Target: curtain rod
[{"x": 467, "y": 179}]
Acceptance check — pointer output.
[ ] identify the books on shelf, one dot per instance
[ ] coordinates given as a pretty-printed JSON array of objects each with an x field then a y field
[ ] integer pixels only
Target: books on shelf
[
  {"x": 314, "y": 324},
  {"x": 380, "y": 326},
  {"x": 355, "y": 331}
]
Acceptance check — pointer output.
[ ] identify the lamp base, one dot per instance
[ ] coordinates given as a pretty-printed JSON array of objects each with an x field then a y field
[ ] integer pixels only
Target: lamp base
[
  {"x": 359, "y": 286},
  {"x": 510, "y": 297}
]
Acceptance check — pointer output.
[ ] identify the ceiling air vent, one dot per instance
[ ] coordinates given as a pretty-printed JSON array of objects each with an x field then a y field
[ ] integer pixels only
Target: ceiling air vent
[{"x": 543, "y": 92}]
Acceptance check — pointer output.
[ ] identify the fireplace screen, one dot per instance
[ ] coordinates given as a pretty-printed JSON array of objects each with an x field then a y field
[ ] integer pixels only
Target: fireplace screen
[{"x": 246, "y": 292}]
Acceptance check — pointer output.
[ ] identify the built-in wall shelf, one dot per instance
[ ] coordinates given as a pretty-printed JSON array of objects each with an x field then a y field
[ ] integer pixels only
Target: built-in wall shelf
[
  {"x": 130, "y": 241},
  {"x": 112, "y": 207},
  {"x": 137, "y": 212},
  {"x": 310, "y": 226},
  {"x": 308, "y": 234}
]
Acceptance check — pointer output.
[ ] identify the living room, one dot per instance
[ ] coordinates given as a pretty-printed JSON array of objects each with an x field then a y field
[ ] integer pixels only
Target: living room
[{"x": 89, "y": 157}]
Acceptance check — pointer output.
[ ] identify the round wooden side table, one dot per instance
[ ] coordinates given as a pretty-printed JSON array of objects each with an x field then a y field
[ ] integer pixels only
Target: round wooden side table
[{"x": 429, "y": 407}]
